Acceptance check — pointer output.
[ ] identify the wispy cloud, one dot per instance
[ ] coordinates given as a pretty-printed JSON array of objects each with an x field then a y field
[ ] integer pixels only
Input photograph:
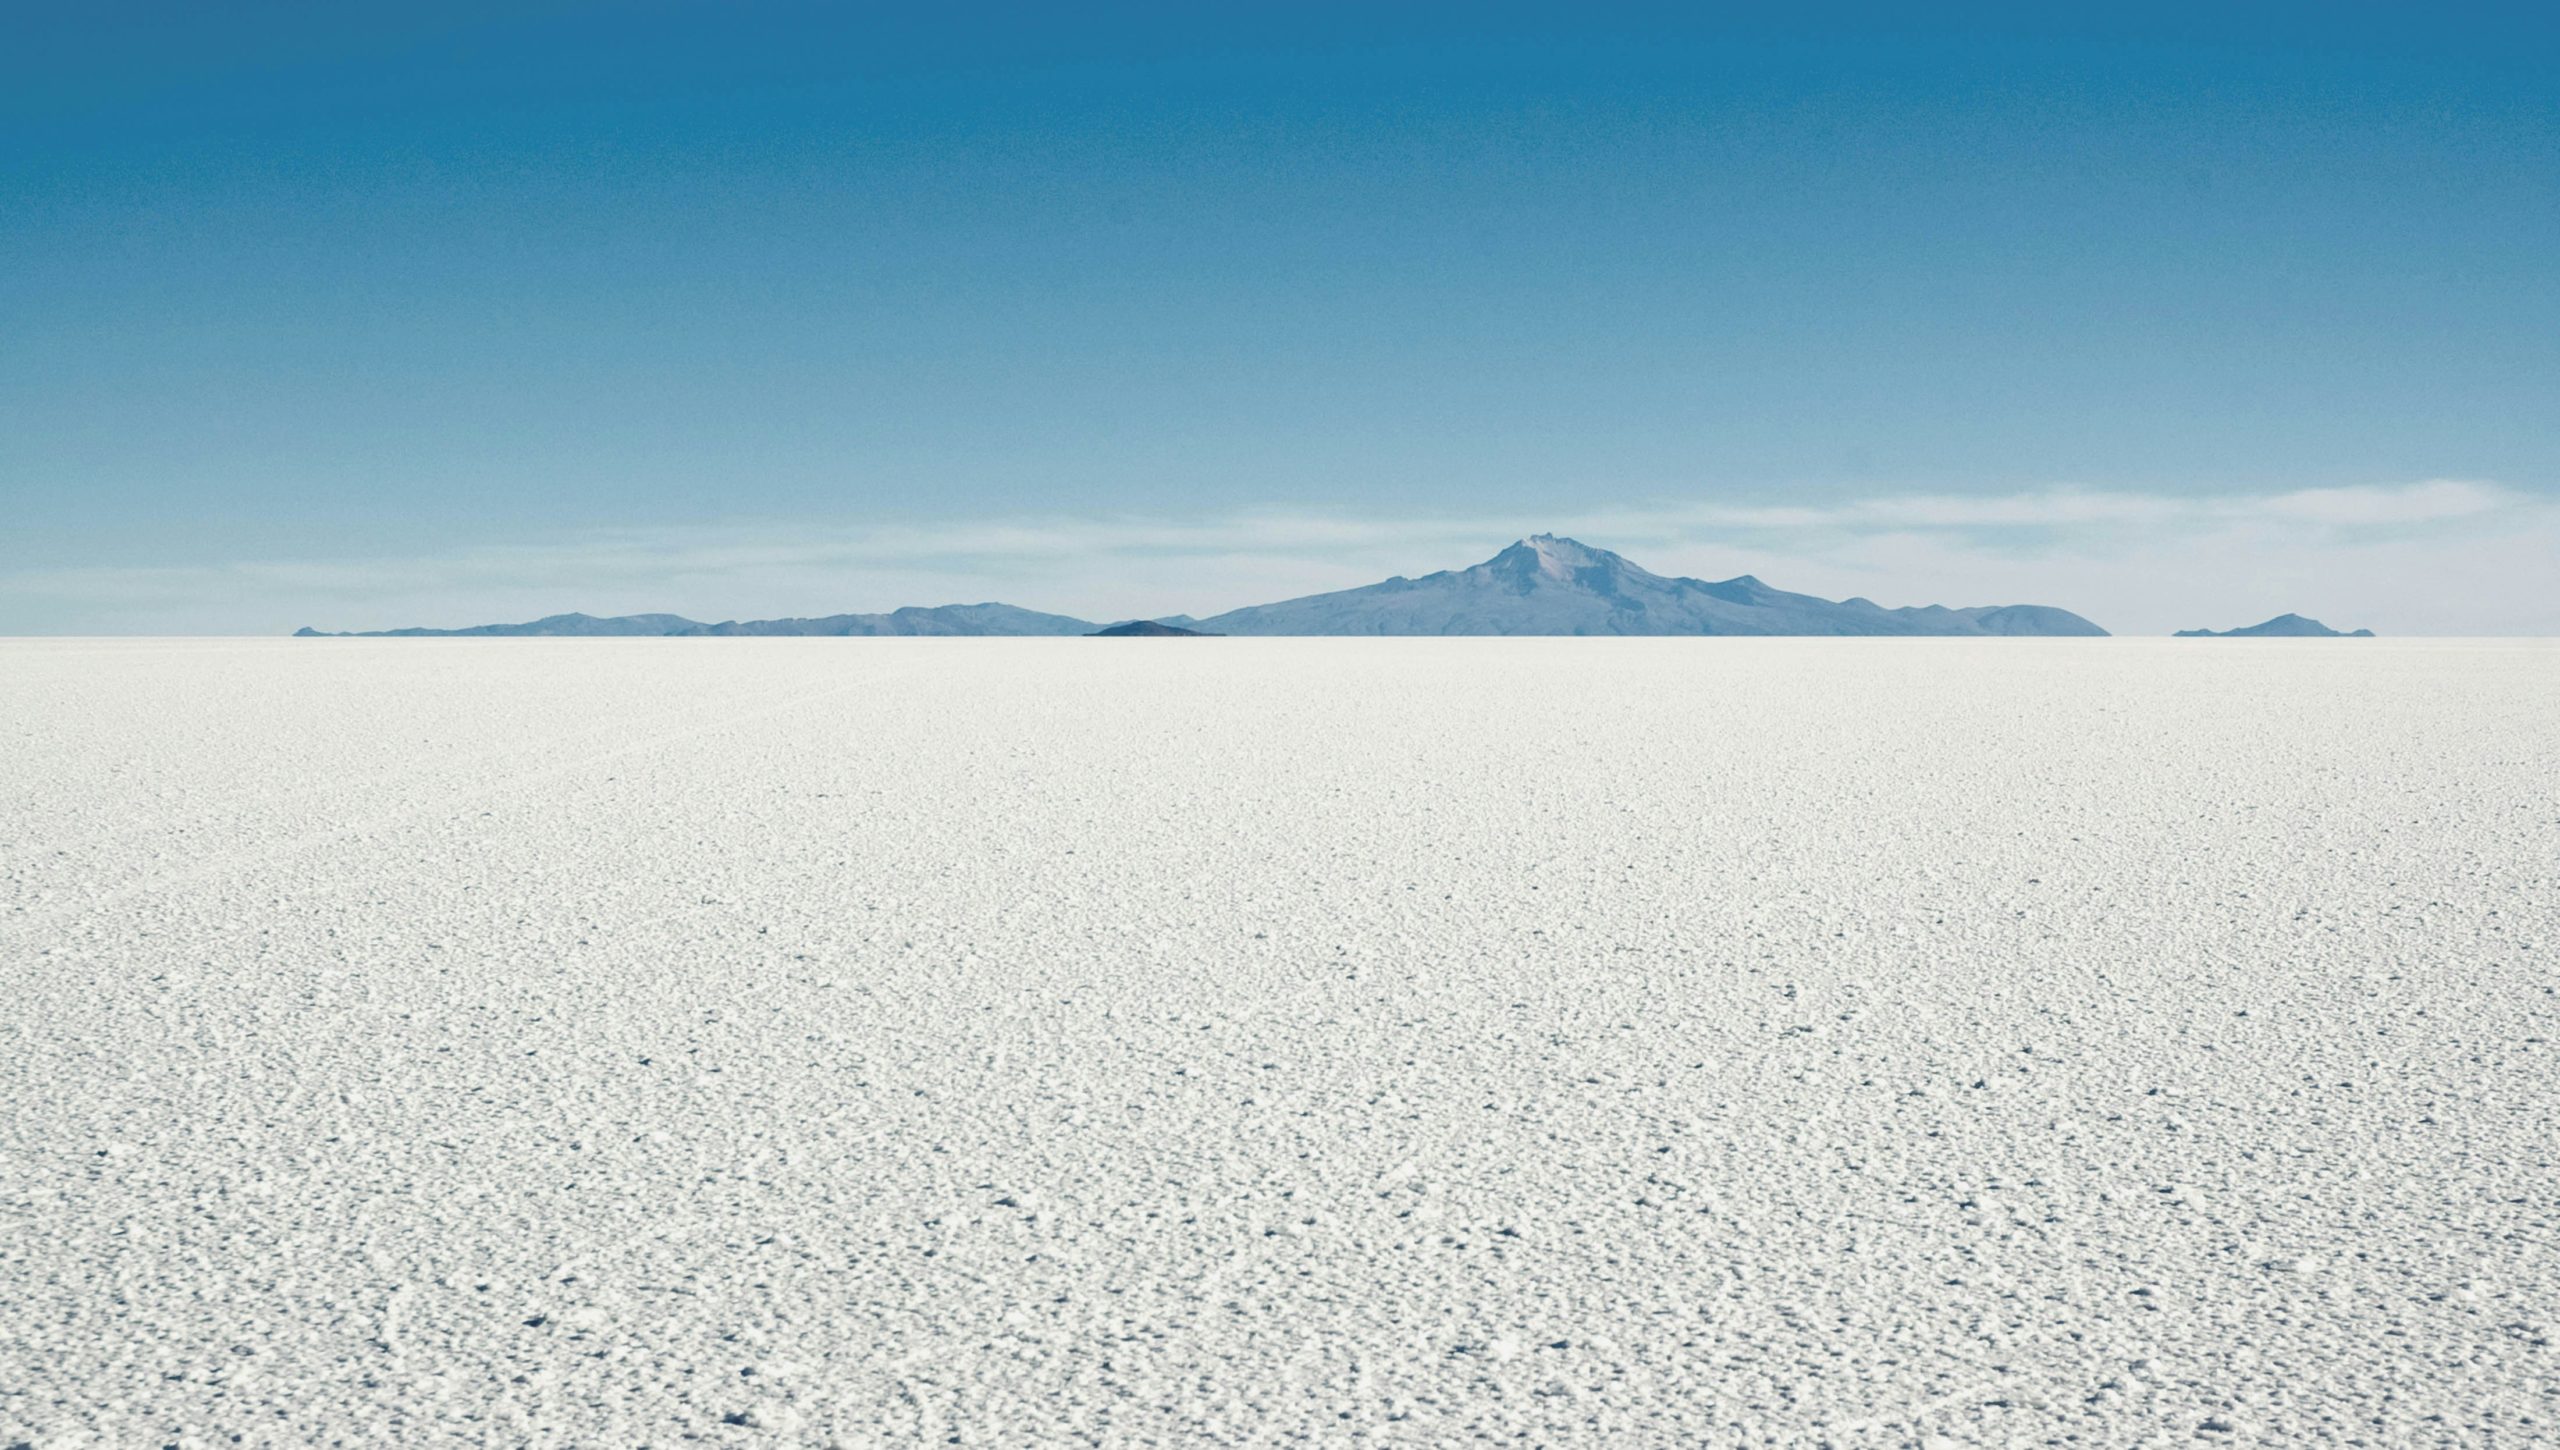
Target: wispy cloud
[
  {"x": 2079, "y": 508},
  {"x": 2418, "y": 503},
  {"x": 2439, "y": 556}
]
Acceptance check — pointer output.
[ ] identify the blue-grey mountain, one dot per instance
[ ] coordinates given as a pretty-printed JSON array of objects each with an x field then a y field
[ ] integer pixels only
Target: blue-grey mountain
[
  {"x": 2283, "y": 626},
  {"x": 1549, "y": 585}
]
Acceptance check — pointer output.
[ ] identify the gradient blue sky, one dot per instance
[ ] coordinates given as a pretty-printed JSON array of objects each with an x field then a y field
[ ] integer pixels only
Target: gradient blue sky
[{"x": 347, "y": 316}]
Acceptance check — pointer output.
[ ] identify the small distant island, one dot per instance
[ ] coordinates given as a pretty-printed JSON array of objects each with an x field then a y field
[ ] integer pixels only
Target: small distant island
[
  {"x": 1151, "y": 629},
  {"x": 2283, "y": 626}
]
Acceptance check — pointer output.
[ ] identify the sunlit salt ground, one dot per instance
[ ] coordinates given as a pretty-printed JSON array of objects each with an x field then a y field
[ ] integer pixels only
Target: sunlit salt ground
[{"x": 1237, "y": 1042}]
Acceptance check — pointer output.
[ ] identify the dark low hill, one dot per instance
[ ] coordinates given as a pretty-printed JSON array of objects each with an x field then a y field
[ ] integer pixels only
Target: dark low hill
[{"x": 1149, "y": 629}]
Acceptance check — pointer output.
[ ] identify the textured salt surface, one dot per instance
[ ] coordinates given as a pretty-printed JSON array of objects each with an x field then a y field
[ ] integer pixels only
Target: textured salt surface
[{"x": 1010, "y": 1042}]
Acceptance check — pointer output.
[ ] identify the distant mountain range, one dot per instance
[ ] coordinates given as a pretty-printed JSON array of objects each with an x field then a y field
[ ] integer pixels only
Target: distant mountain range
[
  {"x": 1542, "y": 585},
  {"x": 2283, "y": 626},
  {"x": 948, "y": 619}
]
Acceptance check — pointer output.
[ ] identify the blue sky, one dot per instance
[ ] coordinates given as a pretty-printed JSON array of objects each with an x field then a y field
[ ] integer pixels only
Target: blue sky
[{"x": 355, "y": 318}]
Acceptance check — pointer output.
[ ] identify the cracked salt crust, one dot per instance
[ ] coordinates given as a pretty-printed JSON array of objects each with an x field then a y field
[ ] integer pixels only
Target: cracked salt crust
[{"x": 1402, "y": 1042}]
